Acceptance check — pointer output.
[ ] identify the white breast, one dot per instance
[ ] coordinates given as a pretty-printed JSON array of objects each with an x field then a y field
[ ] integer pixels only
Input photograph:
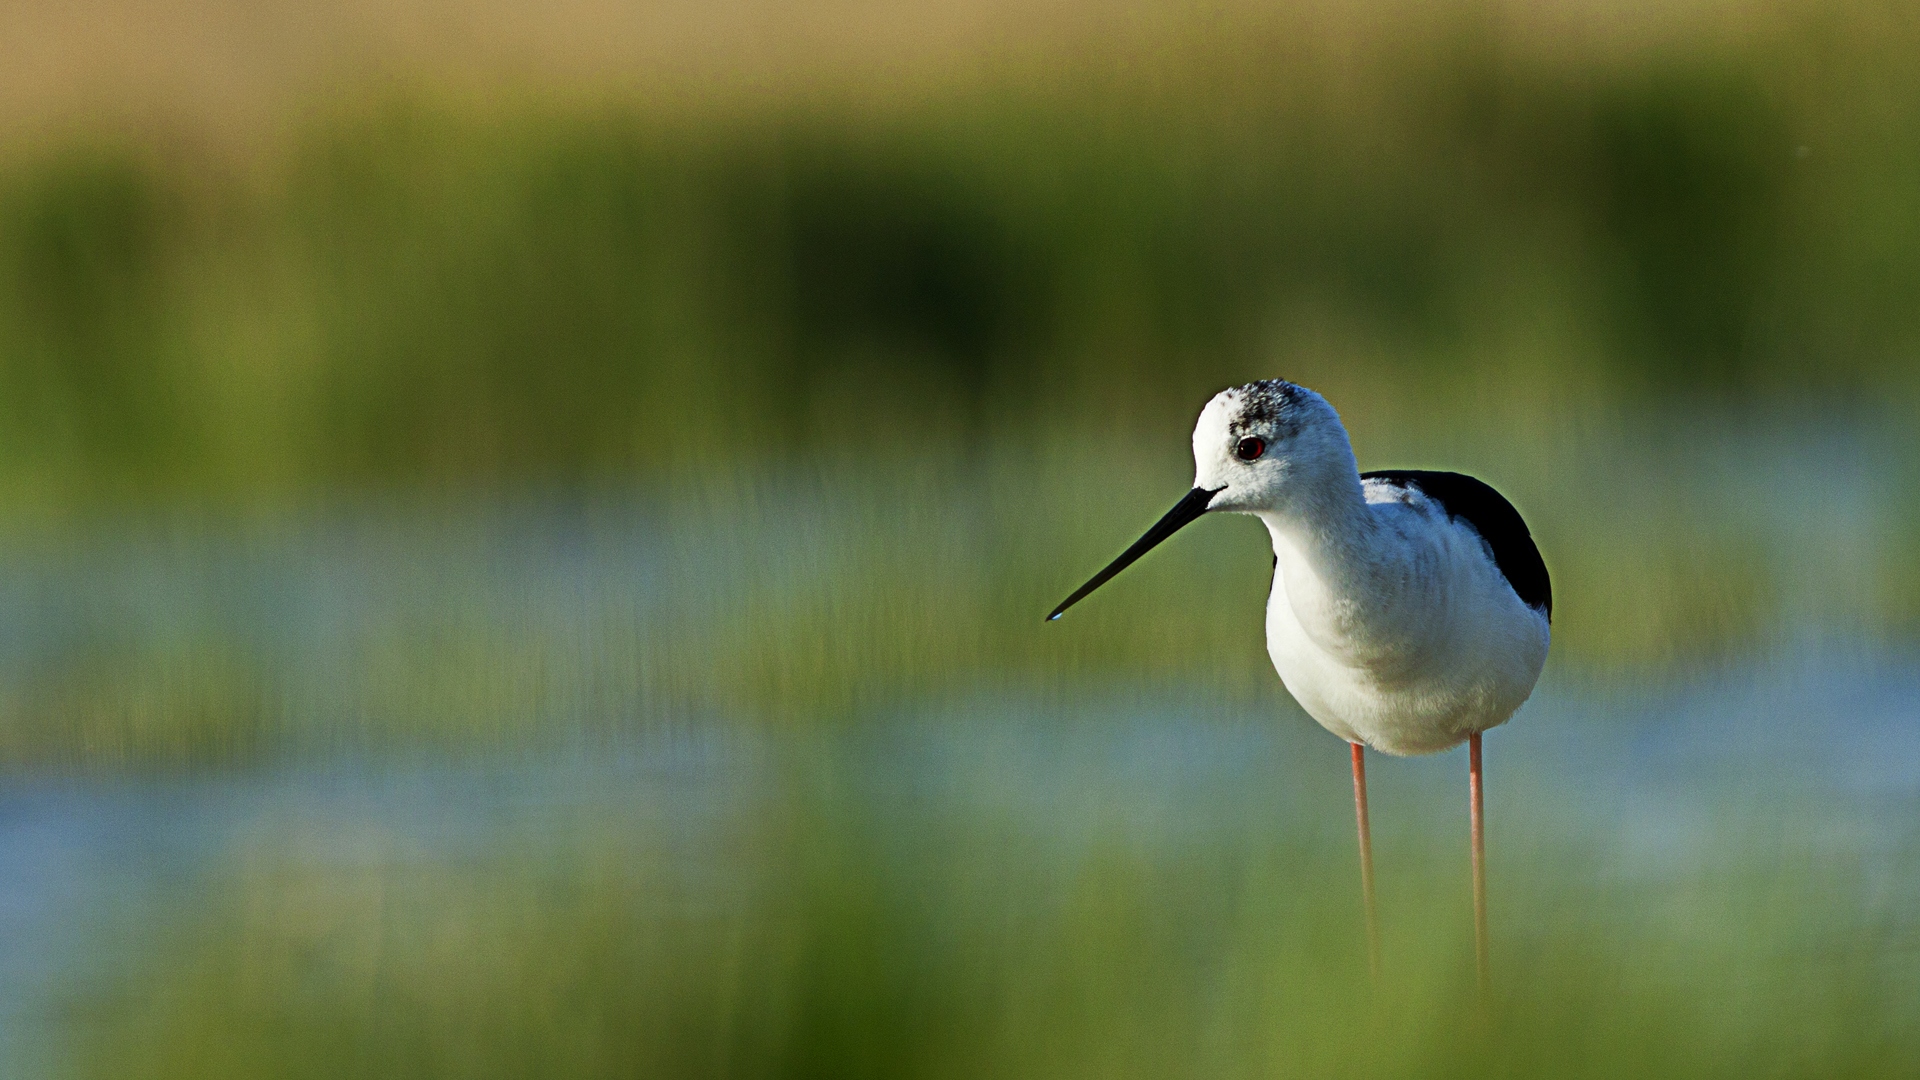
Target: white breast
[{"x": 1414, "y": 641}]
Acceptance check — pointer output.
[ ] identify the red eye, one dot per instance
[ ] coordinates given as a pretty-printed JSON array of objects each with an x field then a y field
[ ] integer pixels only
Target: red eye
[{"x": 1249, "y": 448}]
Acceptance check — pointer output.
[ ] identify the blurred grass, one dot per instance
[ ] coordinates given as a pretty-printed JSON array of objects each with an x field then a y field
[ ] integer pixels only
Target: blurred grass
[
  {"x": 809, "y": 931},
  {"x": 1616, "y": 276},
  {"x": 836, "y": 594},
  {"x": 822, "y": 598},
  {"x": 1436, "y": 213}
]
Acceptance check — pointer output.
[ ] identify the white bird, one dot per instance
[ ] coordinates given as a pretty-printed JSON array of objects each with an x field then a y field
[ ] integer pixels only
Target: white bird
[{"x": 1410, "y": 611}]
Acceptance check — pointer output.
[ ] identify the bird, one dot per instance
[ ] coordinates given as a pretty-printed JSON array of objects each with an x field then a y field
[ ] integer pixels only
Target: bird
[{"x": 1410, "y": 610}]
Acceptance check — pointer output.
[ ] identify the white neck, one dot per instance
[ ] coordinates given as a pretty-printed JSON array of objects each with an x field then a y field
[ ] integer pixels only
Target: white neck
[
  {"x": 1332, "y": 559},
  {"x": 1326, "y": 526}
]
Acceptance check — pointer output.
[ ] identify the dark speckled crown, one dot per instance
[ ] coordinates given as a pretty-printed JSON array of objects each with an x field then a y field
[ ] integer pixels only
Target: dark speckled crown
[{"x": 1270, "y": 405}]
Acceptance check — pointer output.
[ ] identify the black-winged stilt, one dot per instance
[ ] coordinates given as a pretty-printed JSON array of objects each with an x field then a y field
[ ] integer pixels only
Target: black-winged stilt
[{"x": 1410, "y": 610}]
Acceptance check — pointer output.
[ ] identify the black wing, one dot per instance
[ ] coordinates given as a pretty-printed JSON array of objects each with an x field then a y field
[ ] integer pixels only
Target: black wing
[{"x": 1494, "y": 518}]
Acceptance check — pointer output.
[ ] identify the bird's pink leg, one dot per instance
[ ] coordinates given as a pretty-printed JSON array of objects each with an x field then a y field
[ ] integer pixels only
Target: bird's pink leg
[
  {"x": 1474, "y": 795},
  {"x": 1366, "y": 858}
]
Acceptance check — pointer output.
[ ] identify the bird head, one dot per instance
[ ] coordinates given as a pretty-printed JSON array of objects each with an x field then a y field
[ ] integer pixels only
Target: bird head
[{"x": 1253, "y": 447}]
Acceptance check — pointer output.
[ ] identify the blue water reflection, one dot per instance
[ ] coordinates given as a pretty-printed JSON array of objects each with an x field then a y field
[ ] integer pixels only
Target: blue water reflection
[{"x": 1811, "y": 763}]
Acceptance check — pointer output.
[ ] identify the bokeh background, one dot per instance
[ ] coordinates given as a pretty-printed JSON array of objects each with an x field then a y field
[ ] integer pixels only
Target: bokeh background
[{"x": 523, "y": 533}]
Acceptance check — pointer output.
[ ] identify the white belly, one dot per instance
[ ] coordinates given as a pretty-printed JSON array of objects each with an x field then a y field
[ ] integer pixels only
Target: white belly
[{"x": 1470, "y": 658}]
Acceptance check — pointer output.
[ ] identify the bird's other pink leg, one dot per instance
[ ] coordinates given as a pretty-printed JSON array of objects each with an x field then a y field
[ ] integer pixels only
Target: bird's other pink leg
[
  {"x": 1478, "y": 816},
  {"x": 1366, "y": 858}
]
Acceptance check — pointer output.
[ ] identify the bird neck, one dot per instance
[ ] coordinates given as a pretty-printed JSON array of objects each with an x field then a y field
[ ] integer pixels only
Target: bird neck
[
  {"x": 1326, "y": 544},
  {"x": 1324, "y": 520}
]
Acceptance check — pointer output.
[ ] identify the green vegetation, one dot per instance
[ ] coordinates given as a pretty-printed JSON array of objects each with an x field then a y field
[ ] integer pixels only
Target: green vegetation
[
  {"x": 1437, "y": 215},
  {"x": 836, "y": 594},
  {"x": 977, "y": 324},
  {"x": 811, "y": 926}
]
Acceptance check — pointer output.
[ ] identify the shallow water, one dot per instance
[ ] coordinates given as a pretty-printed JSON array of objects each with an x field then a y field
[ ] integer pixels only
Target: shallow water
[
  {"x": 374, "y": 784},
  {"x": 1806, "y": 768}
]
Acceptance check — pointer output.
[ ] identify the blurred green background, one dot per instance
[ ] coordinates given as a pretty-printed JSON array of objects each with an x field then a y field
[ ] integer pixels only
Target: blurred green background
[{"x": 402, "y": 391}]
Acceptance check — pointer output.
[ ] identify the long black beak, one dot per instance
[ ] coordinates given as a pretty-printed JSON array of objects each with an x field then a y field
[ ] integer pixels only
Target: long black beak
[{"x": 1184, "y": 511}]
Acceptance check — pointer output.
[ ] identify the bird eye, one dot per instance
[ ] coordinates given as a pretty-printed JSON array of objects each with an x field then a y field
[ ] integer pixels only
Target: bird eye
[{"x": 1249, "y": 448}]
